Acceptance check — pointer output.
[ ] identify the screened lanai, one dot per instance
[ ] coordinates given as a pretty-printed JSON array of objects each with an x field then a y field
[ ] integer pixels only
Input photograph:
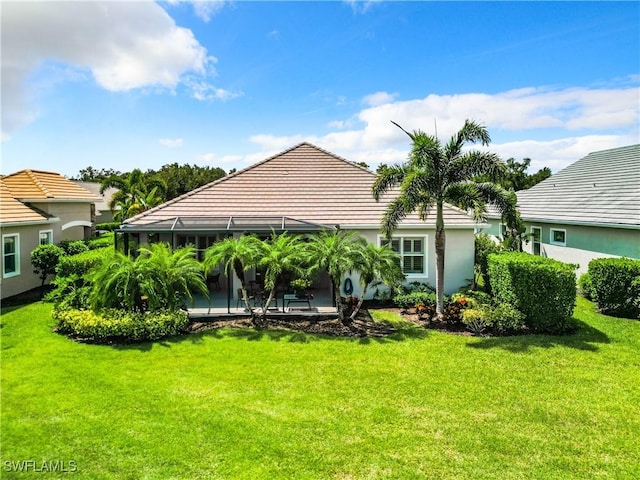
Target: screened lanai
[{"x": 224, "y": 296}]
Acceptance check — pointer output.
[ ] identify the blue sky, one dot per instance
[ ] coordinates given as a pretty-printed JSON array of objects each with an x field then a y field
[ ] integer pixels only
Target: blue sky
[{"x": 142, "y": 84}]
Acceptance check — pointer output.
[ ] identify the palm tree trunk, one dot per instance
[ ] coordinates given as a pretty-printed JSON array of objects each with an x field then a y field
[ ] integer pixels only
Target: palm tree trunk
[
  {"x": 338, "y": 300},
  {"x": 360, "y": 302},
  {"x": 440, "y": 241}
]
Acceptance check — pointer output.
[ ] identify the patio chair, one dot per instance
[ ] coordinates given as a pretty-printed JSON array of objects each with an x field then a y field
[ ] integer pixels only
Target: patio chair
[
  {"x": 213, "y": 280},
  {"x": 241, "y": 298}
]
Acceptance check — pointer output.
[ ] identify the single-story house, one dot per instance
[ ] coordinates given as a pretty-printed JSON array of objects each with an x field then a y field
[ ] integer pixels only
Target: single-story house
[
  {"x": 591, "y": 209},
  {"x": 37, "y": 208},
  {"x": 302, "y": 190}
]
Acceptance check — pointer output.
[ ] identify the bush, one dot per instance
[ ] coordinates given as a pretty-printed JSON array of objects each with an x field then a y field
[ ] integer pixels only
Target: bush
[
  {"x": 506, "y": 318},
  {"x": 81, "y": 263},
  {"x": 477, "y": 320},
  {"x": 108, "y": 226},
  {"x": 44, "y": 259},
  {"x": 616, "y": 288},
  {"x": 107, "y": 240},
  {"x": 484, "y": 246},
  {"x": 585, "y": 286},
  {"x": 543, "y": 289},
  {"x": 73, "y": 247},
  {"x": 70, "y": 292},
  {"x": 118, "y": 325},
  {"x": 412, "y": 300}
]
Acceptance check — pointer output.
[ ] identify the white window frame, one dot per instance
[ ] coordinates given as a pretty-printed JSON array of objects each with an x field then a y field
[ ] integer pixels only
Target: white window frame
[
  {"x": 425, "y": 256},
  {"x": 533, "y": 240},
  {"x": 555, "y": 242},
  {"x": 45, "y": 232},
  {"x": 16, "y": 254}
]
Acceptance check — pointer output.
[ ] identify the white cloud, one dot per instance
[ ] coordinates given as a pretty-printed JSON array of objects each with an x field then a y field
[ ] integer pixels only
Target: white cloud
[
  {"x": 171, "y": 142},
  {"x": 556, "y": 126},
  {"x": 379, "y": 98},
  {"x": 204, "y": 91},
  {"x": 213, "y": 158},
  {"x": 124, "y": 45},
  {"x": 204, "y": 9}
]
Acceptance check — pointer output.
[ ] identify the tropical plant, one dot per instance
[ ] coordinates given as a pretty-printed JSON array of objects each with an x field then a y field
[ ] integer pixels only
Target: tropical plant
[
  {"x": 44, "y": 259},
  {"x": 156, "y": 279},
  {"x": 135, "y": 194},
  {"x": 237, "y": 255},
  {"x": 437, "y": 173},
  {"x": 280, "y": 254},
  {"x": 377, "y": 265},
  {"x": 337, "y": 252}
]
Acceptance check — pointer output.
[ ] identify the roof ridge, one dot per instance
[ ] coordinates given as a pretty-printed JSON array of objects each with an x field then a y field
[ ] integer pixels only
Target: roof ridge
[
  {"x": 246, "y": 169},
  {"x": 31, "y": 174}
]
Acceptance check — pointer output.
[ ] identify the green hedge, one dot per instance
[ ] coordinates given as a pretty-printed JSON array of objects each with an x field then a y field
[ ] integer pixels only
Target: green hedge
[
  {"x": 120, "y": 326},
  {"x": 543, "y": 289},
  {"x": 81, "y": 263},
  {"x": 616, "y": 286},
  {"x": 108, "y": 226},
  {"x": 106, "y": 240},
  {"x": 73, "y": 247}
]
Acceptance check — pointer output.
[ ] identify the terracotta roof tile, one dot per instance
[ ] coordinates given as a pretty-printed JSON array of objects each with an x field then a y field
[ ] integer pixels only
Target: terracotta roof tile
[
  {"x": 37, "y": 184},
  {"x": 14, "y": 211},
  {"x": 305, "y": 182}
]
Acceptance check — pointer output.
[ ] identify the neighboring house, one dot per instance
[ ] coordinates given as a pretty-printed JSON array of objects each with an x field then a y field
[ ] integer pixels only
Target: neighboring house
[
  {"x": 591, "y": 209},
  {"x": 302, "y": 190},
  {"x": 103, "y": 211},
  {"x": 37, "y": 208}
]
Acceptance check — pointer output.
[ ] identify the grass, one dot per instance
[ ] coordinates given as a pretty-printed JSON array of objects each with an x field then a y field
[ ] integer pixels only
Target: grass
[{"x": 247, "y": 404}]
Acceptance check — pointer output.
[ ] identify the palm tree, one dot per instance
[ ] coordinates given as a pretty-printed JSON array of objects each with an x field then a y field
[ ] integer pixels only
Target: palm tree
[
  {"x": 157, "y": 278},
  {"x": 282, "y": 253},
  {"x": 135, "y": 193},
  {"x": 237, "y": 254},
  {"x": 437, "y": 173},
  {"x": 377, "y": 265},
  {"x": 336, "y": 252}
]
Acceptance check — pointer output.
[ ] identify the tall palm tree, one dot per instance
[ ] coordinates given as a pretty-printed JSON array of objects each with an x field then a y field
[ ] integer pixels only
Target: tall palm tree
[
  {"x": 377, "y": 265},
  {"x": 135, "y": 194},
  {"x": 336, "y": 252},
  {"x": 436, "y": 173},
  {"x": 237, "y": 255}
]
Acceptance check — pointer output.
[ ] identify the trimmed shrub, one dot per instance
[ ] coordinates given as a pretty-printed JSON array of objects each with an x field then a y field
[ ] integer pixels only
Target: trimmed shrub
[
  {"x": 484, "y": 246},
  {"x": 106, "y": 240},
  {"x": 585, "y": 286},
  {"x": 73, "y": 247},
  {"x": 413, "y": 299},
  {"x": 44, "y": 259},
  {"x": 616, "y": 289},
  {"x": 81, "y": 263},
  {"x": 543, "y": 289},
  {"x": 118, "y": 325},
  {"x": 477, "y": 320},
  {"x": 506, "y": 318},
  {"x": 108, "y": 226}
]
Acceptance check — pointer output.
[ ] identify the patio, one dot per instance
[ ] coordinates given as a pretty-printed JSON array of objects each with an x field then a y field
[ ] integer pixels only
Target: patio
[{"x": 221, "y": 305}]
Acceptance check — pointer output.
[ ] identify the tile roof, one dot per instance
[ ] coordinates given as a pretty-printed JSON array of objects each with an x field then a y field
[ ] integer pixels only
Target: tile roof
[
  {"x": 14, "y": 211},
  {"x": 602, "y": 188},
  {"x": 105, "y": 198},
  {"x": 305, "y": 183},
  {"x": 37, "y": 184}
]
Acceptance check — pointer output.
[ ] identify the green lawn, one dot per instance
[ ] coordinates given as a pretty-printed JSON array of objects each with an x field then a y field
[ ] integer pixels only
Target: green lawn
[{"x": 243, "y": 404}]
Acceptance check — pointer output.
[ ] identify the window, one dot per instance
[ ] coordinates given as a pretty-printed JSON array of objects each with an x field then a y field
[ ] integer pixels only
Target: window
[
  {"x": 10, "y": 255},
  {"x": 186, "y": 241},
  {"x": 558, "y": 237},
  {"x": 412, "y": 251},
  {"x": 46, "y": 237},
  {"x": 503, "y": 230},
  {"x": 536, "y": 238}
]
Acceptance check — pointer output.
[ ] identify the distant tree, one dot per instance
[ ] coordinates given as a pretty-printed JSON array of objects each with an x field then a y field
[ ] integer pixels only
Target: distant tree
[
  {"x": 363, "y": 164},
  {"x": 180, "y": 179},
  {"x": 91, "y": 174},
  {"x": 136, "y": 193},
  {"x": 515, "y": 176}
]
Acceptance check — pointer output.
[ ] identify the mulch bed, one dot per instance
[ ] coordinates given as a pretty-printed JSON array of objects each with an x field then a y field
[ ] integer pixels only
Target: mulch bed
[{"x": 362, "y": 326}]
